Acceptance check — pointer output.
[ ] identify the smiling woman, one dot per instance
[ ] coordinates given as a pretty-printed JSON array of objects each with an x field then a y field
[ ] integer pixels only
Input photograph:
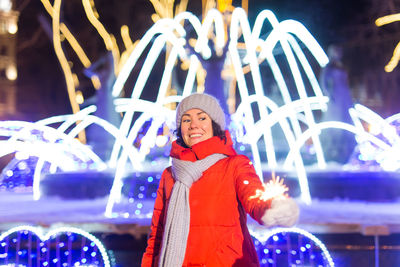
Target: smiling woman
[
  {"x": 196, "y": 126},
  {"x": 199, "y": 216}
]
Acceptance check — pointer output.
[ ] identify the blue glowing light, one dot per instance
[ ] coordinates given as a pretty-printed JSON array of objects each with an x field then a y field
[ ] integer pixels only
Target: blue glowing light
[
  {"x": 26, "y": 248},
  {"x": 290, "y": 247}
]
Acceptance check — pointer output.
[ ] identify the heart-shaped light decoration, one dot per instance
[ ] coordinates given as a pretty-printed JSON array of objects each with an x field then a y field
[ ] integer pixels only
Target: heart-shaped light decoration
[{"x": 61, "y": 247}]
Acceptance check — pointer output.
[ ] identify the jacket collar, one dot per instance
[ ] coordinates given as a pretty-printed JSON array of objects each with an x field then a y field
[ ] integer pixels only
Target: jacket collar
[{"x": 203, "y": 149}]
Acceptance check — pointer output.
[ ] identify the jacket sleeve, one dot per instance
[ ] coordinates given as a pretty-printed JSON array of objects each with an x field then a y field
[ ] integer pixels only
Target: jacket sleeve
[
  {"x": 151, "y": 255},
  {"x": 247, "y": 183},
  {"x": 272, "y": 212}
]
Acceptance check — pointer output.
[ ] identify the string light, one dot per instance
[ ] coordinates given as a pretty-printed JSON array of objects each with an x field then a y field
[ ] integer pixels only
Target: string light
[
  {"x": 52, "y": 235},
  {"x": 396, "y": 53},
  {"x": 108, "y": 39},
  {"x": 264, "y": 235}
]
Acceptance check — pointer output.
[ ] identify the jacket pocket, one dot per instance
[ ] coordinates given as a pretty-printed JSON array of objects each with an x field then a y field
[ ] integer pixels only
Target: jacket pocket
[{"x": 230, "y": 249}]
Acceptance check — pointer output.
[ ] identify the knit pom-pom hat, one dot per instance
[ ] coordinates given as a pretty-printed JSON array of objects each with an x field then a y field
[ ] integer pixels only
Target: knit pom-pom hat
[{"x": 206, "y": 103}]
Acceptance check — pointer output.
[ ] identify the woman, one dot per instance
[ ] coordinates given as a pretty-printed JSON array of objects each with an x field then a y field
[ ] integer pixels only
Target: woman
[{"x": 199, "y": 216}]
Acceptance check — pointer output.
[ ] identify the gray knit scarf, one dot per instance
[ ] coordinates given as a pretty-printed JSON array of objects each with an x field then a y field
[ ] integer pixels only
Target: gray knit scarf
[{"x": 176, "y": 228}]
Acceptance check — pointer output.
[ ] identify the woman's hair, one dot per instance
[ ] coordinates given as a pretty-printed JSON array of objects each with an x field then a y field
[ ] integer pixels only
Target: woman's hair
[{"x": 217, "y": 131}]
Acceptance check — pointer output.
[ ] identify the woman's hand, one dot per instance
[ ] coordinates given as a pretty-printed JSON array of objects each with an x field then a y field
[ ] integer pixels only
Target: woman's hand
[{"x": 283, "y": 212}]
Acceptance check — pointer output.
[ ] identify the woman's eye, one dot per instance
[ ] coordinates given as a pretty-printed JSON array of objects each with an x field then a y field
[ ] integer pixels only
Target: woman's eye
[
  {"x": 203, "y": 118},
  {"x": 187, "y": 120}
]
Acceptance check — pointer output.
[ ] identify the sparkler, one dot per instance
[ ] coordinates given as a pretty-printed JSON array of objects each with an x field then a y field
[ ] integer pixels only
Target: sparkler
[{"x": 275, "y": 188}]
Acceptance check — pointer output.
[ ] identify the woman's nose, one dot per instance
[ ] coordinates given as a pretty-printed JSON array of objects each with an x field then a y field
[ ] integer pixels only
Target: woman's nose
[{"x": 193, "y": 124}]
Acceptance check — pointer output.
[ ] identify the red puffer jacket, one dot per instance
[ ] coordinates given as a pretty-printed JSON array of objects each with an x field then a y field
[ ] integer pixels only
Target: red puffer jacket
[{"x": 219, "y": 201}]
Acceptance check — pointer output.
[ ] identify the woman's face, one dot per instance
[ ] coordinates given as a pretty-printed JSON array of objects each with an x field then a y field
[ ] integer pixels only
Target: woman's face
[{"x": 196, "y": 126}]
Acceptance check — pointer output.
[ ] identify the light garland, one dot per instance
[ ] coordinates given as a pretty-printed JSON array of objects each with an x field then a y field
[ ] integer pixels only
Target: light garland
[
  {"x": 57, "y": 231},
  {"x": 265, "y": 235}
]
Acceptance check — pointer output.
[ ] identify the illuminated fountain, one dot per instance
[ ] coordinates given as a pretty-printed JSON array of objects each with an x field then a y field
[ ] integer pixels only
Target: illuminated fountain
[
  {"x": 148, "y": 124},
  {"x": 252, "y": 122}
]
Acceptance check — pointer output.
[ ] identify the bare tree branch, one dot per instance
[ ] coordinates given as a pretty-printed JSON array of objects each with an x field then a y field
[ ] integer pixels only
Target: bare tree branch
[
  {"x": 23, "y": 5},
  {"x": 32, "y": 41}
]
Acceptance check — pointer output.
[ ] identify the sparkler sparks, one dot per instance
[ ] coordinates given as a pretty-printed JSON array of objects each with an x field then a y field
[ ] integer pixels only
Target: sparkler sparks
[{"x": 275, "y": 188}]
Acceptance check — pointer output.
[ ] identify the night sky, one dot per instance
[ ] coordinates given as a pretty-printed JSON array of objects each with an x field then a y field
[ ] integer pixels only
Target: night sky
[{"x": 41, "y": 85}]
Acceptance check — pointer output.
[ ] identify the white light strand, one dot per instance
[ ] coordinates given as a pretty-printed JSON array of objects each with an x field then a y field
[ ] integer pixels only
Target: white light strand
[
  {"x": 202, "y": 47},
  {"x": 149, "y": 62},
  {"x": 155, "y": 113},
  {"x": 160, "y": 27},
  {"x": 316, "y": 129}
]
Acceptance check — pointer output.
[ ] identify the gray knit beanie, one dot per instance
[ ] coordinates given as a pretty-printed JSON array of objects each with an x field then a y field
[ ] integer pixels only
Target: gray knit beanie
[{"x": 206, "y": 103}]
